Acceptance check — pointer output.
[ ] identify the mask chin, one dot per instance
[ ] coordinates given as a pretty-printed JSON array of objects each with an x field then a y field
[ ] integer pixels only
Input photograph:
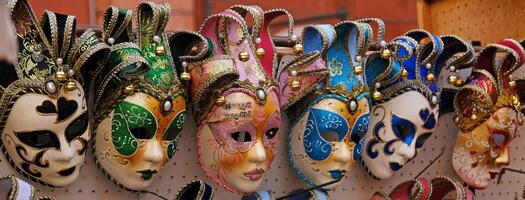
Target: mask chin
[
  {"x": 397, "y": 130},
  {"x": 319, "y": 144}
]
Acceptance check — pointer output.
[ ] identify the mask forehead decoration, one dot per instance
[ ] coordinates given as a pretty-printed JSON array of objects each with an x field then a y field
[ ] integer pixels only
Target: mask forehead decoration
[
  {"x": 140, "y": 103},
  {"x": 324, "y": 95},
  {"x": 398, "y": 129},
  {"x": 488, "y": 113},
  {"x": 47, "y": 85},
  {"x": 236, "y": 106}
]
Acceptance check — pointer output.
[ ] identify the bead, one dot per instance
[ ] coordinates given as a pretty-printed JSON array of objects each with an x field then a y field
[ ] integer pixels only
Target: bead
[
  {"x": 358, "y": 70},
  {"x": 71, "y": 85},
  {"x": 261, "y": 95},
  {"x": 294, "y": 38},
  {"x": 257, "y": 40},
  {"x": 520, "y": 121},
  {"x": 452, "y": 68},
  {"x": 382, "y": 43},
  {"x": 298, "y": 48},
  {"x": 51, "y": 87},
  {"x": 377, "y": 95},
  {"x": 259, "y": 52},
  {"x": 194, "y": 50},
  {"x": 166, "y": 106},
  {"x": 428, "y": 65},
  {"x": 353, "y": 106},
  {"x": 430, "y": 77},
  {"x": 185, "y": 76},
  {"x": 358, "y": 58},
  {"x": 156, "y": 38},
  {"x": 377, "y": 85},
  {"x": 111, "y": 40},
  {"x": 456, "y": 119},
  {"x": 70, "y": 72},
  {"x": 184, "y": 64},
  {"x": 434, "y": 99},
  {"x": 60, "y": 61},
  {"x": 404, "y": 73},
  {"x": 294, "y": 73},
  {"x": 244, "y": 56},
  {"x": 60, "y": 75},
  {"x": 296, "y": 85},
  {"x": 159, "y": 50},
  {"x": 385, "y": 54},
  {"x": 473, "y": 117},
  {"x": 130, "y": 89},
  {"x": 452, "y": 79}
]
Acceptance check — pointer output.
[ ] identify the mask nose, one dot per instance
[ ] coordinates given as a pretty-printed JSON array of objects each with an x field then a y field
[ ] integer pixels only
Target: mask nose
[
  {"x": 503, "y": 158},
  {"x": 342, "y": 153},
  {"x": 66, "y": 153},
  {"x": 257, "y": 153},
  {"x": 153, "y": 151},
  {"x": 406, "y": 151}
]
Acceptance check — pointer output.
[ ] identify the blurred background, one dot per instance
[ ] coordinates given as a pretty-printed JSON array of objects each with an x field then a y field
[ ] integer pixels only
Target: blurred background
[{"x": 399, "y": 15}]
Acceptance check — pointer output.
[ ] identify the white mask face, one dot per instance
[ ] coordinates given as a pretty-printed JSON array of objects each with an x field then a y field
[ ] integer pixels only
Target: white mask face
[
  {"x": 136, "y": 140},
  {"x": 46, "y": 138},
  {"x": 398, "y": 128}
]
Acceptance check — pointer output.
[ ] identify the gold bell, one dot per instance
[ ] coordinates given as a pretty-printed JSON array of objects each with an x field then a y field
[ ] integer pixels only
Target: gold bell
[
  {"x": 298, "y": 48},
  {"x": 512, "y": 84},
  {"x": 377, "y": 95},
  {"x": 358, "y": 70},
  {"x": 459, "y": 82},
  {"x": 473, "y": 117},
  {"x": 60, "y": 75},
  {"x": 430, "y": 77},
  {"x": 159, "y": 50},
  {"x": 296, "y": 85},
  {"x": 220, "y": 101},
  {"x": 130, "y": 89},
  {"x": 244, "y": 56},
  {"x": 452, "y": 79},
  {"x": 71, "y": 85},
  {"x": 259, "y": 52},
  {"x": 385, "y": 54},
  {"x": 404, "y": 73},
  {"x": 185, "y": 76}
]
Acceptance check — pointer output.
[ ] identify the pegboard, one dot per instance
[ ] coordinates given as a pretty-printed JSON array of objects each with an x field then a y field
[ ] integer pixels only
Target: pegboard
[
  {"x": 280, "y": 179},
  {"x": 487, "y": 21}
]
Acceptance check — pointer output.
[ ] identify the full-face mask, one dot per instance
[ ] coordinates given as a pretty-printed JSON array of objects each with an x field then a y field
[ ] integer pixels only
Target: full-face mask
[
  {"x": 405, "y": 106},
  {"x": 45, "y": 122},
  {"x": 326, "y": 99},
  {"x": 488, "y": 114},
  {"x": 235, "y": 101},
  {"x": 139, "y": 102}
]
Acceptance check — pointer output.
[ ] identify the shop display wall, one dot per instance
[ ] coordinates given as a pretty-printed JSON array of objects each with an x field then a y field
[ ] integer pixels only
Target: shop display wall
[{"x": 281, "y": 179}]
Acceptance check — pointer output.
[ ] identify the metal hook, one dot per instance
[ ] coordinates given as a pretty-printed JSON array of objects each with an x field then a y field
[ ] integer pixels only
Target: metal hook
[
  {"x": 309, "y": 189},
  {"x": 504, "y": 169}
]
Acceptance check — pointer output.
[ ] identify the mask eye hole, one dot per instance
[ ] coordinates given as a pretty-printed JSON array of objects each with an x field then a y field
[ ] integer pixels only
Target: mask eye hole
[
  {"x": 403, "y": 129},
  {"x": 499, "y": 139},
  {"x": 140, "y": 133},
  {"x": 330, "y": 136},
  {"x": 77, "y": 127},
  {"x": 242, "y": 136},
  {"x": 39, "y": 139},
  {"x": 271, "y": 133},
  {"x": 420, "y": 141}
]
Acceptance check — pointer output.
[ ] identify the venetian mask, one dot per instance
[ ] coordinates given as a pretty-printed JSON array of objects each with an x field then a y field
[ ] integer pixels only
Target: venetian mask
[
  {"x": 398, "y": 129},
  {"x": 329, "y": 108},
  {"x": 46, "y": 87},
  {"x": 236, "y": 106},
  {"x": 488, "y": 115},
  {"x": 140, "y": 110}
]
